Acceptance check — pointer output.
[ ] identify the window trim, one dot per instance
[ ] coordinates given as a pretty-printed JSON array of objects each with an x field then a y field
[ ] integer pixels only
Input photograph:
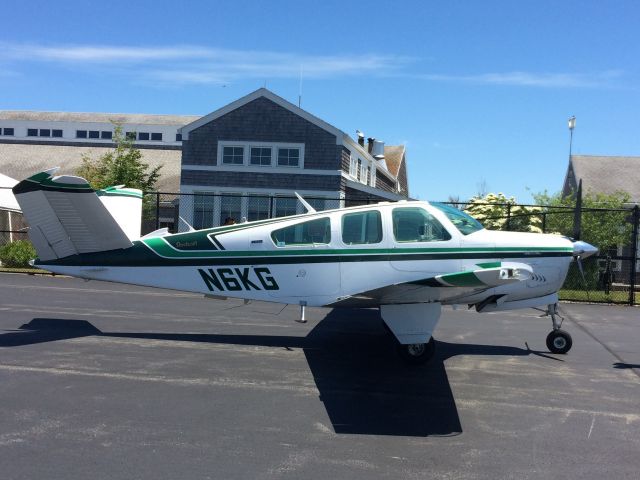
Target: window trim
[{"x": 247, "y": 145}]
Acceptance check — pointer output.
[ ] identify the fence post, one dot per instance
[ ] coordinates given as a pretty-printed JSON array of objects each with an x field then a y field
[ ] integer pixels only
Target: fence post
[
  {"x": 271, "y": 201},
  {"x": 634, "y": 255},
  {"x": 157, "y": 210},
  {"x": 544, "y": 222},
  {"x": 508, "y": 226}
]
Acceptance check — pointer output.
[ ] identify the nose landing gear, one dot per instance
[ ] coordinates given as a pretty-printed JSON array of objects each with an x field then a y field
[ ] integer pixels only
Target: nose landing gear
[{"x": 558, "y": 341}]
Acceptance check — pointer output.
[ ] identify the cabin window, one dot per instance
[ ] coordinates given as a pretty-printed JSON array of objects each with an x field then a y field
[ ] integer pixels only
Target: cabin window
[
  {"x": 362, "y": 228},
  {"x": 411, "y": 224},
  {"x": 307, "y": 233},
  {"x": 462, "y": 221}
]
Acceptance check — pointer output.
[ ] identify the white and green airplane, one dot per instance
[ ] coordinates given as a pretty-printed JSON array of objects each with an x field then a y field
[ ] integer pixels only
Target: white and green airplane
[{"x": 406, "y": 258}]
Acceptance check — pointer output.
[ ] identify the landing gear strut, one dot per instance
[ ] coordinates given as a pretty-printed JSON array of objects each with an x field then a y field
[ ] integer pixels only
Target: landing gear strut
[
  {"x": 558, "y": 341},
  {"x": 417, "y": 353}
]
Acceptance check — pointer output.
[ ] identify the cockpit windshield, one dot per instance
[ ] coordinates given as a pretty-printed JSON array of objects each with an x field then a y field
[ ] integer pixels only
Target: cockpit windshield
[{"x": 462, "y": 221}]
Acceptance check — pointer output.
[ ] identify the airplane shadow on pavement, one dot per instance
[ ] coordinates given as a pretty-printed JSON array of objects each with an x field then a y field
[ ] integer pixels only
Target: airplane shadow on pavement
[{"x": 365, "y": 387}]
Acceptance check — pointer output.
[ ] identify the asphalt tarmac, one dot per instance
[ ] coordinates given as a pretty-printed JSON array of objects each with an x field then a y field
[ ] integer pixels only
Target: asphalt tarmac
[{"x": 103, "y": 380}]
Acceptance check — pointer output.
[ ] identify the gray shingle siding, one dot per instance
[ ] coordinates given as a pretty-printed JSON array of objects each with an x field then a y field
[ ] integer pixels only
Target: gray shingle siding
[
  {"x": 262, "y": 120},
  {"x": 346, "y": 159},
  {"x": 261, "y": 180},
  {"x": 383, "y": 183}
]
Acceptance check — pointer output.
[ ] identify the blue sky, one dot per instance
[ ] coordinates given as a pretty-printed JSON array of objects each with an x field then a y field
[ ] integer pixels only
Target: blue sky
[{"x": 480, "y": 92}]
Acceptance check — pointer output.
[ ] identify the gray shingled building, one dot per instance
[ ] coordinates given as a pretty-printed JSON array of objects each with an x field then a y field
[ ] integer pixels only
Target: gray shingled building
[
  {"x": 603, "y": 174},
  {"x": 607, "y": 174},
  {"x": 264, "y": 146}
]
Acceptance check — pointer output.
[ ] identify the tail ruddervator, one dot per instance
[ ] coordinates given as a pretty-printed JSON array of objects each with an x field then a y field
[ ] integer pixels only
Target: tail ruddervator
[
  {"x": 67, "y": 217},
  {"x": 407, "y": 258}
]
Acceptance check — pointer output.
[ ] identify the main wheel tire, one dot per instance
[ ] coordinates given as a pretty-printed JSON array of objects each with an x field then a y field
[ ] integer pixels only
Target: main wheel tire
[
  {"x": 559, "y": 341},
  {"x": 417, "y": 353}
]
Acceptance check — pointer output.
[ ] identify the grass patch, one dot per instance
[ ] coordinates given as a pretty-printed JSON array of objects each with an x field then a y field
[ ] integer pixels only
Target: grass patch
[
  {"x": 32, "y": 271},
  {"x": 594, "y": 296}
]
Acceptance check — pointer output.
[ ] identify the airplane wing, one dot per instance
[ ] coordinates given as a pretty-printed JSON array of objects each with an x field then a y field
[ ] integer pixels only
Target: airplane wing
[{"x": 447, "y": 286}]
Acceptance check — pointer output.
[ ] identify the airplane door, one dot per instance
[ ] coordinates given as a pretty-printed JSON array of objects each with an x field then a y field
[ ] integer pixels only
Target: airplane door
[
  {"x": 421, "y": 243},
  {"x": 307, "y": 266}
]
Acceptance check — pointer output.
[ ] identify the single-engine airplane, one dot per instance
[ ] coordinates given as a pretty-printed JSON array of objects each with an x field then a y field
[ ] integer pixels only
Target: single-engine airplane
[{"x": 408, "y": 258}]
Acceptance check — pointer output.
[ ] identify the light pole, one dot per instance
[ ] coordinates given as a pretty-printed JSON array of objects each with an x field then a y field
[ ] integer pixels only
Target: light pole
[{"x": 572, "y": 125}]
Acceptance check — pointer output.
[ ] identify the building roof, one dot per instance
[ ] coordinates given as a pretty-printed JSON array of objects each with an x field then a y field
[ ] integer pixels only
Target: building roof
[
  {"x": 262, "y": 92},
  {"x": 607, "y": 174},
  {"x": 393, "y": 155},
  {"x": 124, "y": 118},
  {"x": 23, "y": 160}
]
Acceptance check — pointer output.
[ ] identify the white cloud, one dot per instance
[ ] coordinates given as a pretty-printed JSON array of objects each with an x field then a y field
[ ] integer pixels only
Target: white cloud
[
  {"x": 531, "y": 79},
  {"x": 195, "y": 64}
]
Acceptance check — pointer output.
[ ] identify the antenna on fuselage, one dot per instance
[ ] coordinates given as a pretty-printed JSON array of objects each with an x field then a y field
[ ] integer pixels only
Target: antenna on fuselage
[
  {"x": 191, "y": 229},
  {"x": 309, "y": 208}
]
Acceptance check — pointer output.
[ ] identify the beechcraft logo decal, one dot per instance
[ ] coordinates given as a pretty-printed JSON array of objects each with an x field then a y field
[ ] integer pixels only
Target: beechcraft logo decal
[{"x": 238, "y": 279}]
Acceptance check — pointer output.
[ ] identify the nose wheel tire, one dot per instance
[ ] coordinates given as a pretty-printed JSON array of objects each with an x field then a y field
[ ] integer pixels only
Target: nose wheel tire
[
  {"x": 417, "y": 353},
  {"x": 559, "y": 341}
]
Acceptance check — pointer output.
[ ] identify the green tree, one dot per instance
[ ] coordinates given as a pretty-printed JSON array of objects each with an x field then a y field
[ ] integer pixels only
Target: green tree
[
  {"x": 121, "y": 166},
  {"x": 498, "y": 212},
  {"x": 605, "y": 229}
]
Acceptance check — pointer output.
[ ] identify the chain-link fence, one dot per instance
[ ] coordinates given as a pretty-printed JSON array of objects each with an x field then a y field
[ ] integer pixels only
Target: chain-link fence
[{"x": 611, "y": 276}]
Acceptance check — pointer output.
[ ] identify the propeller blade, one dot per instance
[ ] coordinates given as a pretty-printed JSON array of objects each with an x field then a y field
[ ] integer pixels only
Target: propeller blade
[{"x": 581, "y": 268}]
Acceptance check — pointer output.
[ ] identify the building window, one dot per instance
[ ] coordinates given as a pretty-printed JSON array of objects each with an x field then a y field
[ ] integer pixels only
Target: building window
[
  {"x": 358, "y": 169},
  {"x": 260, "y": 156},
  {"x": 8, "y": 132},
  {"x": 32, "y": 132},
  {"x": 233, "y": 155},
  {"x": 257, "y": 208},
  {"x": 363, "y": 173},
  {"x": 157, "y": 137},
  {"x": 178, "y": 137},
  {"x": 131, "y": 136},
  {"x": 203, "y": 211},
  {"x": 45, "y": 132},
  {"x": 353, "y": 166},
  {"x": 94, "y": 134},
  {"x": 288, "y": 157},
  {"x": 284, "y": 206},
  {"x": 56, "y": 133},
  {"x": 81, "y": 134},
  {"x": 143, "y": 136},
  {"x": 106, "y": 135},
  {"x": 373, "y": 177},
  {"x": 230, "y": 208}
]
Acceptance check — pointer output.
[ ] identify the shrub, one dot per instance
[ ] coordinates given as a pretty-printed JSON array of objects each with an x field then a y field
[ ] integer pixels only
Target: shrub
[{"x": 17, "y": 254}]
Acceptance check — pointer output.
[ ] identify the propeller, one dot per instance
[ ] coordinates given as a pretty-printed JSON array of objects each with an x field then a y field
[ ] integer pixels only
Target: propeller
[{"x": 582, "y": 250}]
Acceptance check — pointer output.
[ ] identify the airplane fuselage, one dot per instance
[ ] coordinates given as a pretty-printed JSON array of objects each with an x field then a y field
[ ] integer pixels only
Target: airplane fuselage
[{"x": 346, "y": 257}]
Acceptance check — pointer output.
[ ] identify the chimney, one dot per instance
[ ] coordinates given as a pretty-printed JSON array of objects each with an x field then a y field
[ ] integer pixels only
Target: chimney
[
  {"x": 370, "y": 141},
  {"x": 360, "y": 138},
  {"x": 378, "y": 149}
]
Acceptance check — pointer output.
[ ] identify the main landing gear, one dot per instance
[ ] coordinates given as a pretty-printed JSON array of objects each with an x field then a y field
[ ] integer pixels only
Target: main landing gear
[
  {"x": 417, "y": 353},
  {"x": 558, "y": 341}
]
